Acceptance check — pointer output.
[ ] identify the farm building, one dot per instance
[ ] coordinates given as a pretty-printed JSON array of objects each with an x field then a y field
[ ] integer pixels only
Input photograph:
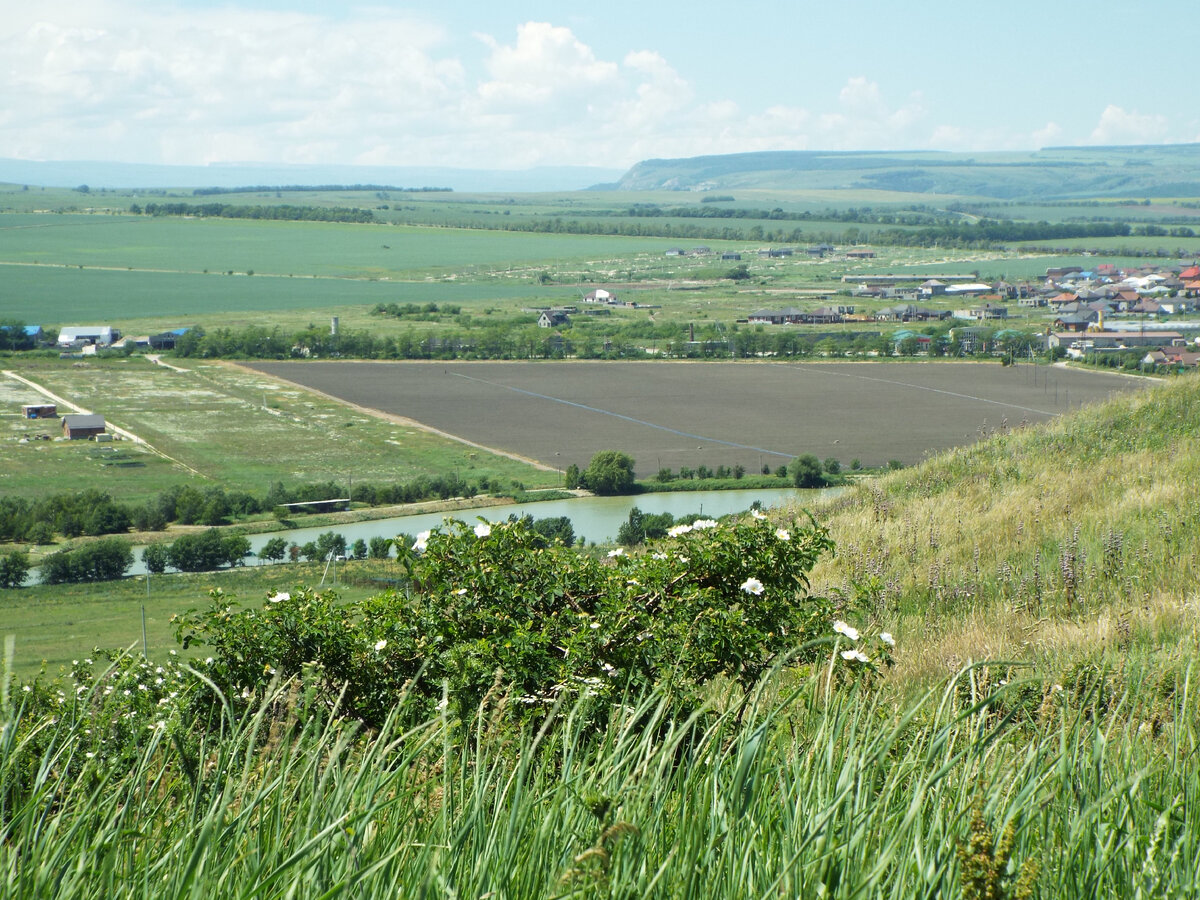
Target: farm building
[
  {"x": 78, "y": 335},
  {"x": 39, "y": 411},
  {"x": 80, "y": 427},
  {"x": 600, "y": 296},
  {"x": 552, "y": 319}
]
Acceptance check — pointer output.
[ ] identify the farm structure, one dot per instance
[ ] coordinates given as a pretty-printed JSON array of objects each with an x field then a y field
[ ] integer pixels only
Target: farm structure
[
  {"x": 81, "y": 427},
  {"x": 39, "y": 411},
  {"x": 676, "y": 414},
  {"x": 79, "y": 335}
]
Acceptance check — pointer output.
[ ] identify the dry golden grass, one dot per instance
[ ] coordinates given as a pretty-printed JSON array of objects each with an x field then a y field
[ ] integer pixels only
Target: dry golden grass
[{"x": 1048, "y": 545}]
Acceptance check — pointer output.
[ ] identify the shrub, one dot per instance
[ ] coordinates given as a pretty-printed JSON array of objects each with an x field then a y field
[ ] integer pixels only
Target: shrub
[{"x": 495, "y": 610}]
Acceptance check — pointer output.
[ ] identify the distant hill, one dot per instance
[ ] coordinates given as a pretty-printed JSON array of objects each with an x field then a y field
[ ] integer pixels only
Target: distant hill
[
  {"x": 134, "y": 175},
  {"x": 1052, "y": 173}
]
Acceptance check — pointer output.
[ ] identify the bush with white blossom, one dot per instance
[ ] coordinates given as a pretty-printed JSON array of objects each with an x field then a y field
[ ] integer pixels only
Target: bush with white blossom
[{"x": 494, "y": 611}]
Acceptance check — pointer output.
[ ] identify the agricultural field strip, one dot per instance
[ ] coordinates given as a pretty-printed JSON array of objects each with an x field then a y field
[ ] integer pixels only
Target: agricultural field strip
[
  {"x": 781, "y": 409},
  {"x": 125, "y": 433},
  {"x": 398, "y": 420},
  {"x": 617, "y": 415}
]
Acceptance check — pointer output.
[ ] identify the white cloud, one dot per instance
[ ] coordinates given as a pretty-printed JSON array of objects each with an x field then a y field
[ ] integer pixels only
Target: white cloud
[
  {"x": 1118, "y": 126},
  {"x": 145, "y": 81},
  {"x": 1048, "y": 136}
]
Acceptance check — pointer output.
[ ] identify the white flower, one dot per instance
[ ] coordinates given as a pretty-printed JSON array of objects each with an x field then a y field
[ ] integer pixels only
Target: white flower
[
  {"x": 704, "y": 523},
  {"x": 208, "y": 660},
  {"x": 381, "y": 643},
  {"x": 752, "y": 586},
  {"x": 422, "y": 540},
  {"x": 594, "y": 625},
  {"x": 620, "y": 551},
  {"x": 783, "y": 534},
  {"x": 856, "y": 655},
  {"x": 482, "y": 530},
  {"x": 754, "y": 513},
  {"x": 842, "y": 628},
  {"x": 887, "y": 638},
  {"x": 678, "y": 530},
  {"x": 280, "y": 597},
  {"x": 610, "y": 671},
  {"x": 461, "y": 592},
  {"x": 658, "y": 556},
  {"x": 27, "y": 689}
]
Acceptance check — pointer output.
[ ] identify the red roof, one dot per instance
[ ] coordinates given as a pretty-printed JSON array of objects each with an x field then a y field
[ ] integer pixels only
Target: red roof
[{"x": 1193, "y": 272}]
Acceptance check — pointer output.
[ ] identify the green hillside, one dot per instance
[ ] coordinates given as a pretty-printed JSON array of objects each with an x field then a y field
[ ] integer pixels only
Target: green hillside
[{"x": 1051, "y": 173}]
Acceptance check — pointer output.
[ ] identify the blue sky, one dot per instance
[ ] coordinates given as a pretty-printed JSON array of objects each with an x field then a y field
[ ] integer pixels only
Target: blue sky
[{"x": 515, "y": 85}]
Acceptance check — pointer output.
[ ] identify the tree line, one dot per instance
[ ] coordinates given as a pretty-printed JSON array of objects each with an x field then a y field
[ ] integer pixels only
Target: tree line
[
  {"x": 93, "y": 512},
  {"x": 285, "y": 212},
  {"x": 316, "y": 188}
]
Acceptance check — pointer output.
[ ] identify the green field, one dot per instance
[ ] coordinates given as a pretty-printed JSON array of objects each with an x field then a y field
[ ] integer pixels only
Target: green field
[{"x": 221, "y": 425}]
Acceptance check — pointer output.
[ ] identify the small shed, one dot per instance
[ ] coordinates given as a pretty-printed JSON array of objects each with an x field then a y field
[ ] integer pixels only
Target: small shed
[
  {"x": 39, "y": 411},
  {"x": 80, "y": 427}
]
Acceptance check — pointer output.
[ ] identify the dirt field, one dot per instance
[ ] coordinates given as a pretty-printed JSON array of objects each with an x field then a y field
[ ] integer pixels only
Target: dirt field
[{"x": 668, "y": 414}]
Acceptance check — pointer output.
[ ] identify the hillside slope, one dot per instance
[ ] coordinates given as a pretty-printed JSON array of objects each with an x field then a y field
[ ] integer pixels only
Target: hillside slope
[
  {"x": 1071, "y": 543},
  {"x": 1052, "y": 173}
]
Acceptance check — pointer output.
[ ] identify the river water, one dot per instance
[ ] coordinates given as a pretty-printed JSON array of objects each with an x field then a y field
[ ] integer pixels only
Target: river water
[{"x": 596, "y": 519}]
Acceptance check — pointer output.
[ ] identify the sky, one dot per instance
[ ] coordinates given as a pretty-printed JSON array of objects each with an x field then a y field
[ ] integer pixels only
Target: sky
[{"x": 514, "y": 85}]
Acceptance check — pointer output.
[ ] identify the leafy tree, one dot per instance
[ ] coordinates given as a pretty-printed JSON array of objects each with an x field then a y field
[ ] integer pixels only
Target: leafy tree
[
  {"x": 329, "y": 543},
  {"x": 833, "y": 466},
  {"x": 235, "y": 547},
  {"x": 572, "y": 477},
  {"x": 358, "y": 550},
  {"x": 14, "y": 566},
  {"x": 273, "y": 550},
  {"x": 101, "y": 560},
  {"x": 609, "y": 472},
  {"x": 156, "y": 557},
  {"x": 738, "y": 273},
  {"x": 806, "y": 471},
  {"x": 379, "y": 548}
]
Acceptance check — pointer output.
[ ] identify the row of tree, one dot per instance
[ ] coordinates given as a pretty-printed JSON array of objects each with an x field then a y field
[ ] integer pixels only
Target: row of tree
[{"x": 283, "y": 212}]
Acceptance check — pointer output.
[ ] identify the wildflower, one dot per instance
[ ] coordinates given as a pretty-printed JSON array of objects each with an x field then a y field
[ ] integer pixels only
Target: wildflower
[
  {"x": 381, "y": 643},
  {"x": 842, "y": 628},
  {"x": 594, "y": 625},
  {"x": 482, "y": 530},
  {"x": 887, "y": 638},
  {"x": 90, "y": 755},
  {"x": 752, "y": 586},
  {"x": 678, "y": 530},
  {"x": 422, "y": 540},
  {"x": 280, "y": 597},
  {"x": 461, "y": 591},
  {"x": 704, "y": 523},
  {"x": 610, "y": 671},
  {"x": 620, "y": 551},
  {"x": 443, "y": 703},
  {"x": 208, "y": 660},
  {"x": 755, "y": 514},
  {"x": 268, "y": 669},
  {"x": 855, "y": 655},
  {"x": 658, "y": 556},
  {"x": 783, "y": 534},
  {"x": 27, "y": 689}
]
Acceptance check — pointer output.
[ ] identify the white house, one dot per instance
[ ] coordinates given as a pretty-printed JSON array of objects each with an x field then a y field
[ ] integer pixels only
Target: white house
[{"x": 99, "y": 335}]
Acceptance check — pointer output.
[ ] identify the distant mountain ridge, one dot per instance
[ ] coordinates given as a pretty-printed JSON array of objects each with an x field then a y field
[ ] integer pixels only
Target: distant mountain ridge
[
  {"x": 1051, "y": 173},
  {"x": 137, "y": 175}
]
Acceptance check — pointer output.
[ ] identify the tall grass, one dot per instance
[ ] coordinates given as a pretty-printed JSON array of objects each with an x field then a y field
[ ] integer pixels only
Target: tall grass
[{"x": 812, "y": 792}]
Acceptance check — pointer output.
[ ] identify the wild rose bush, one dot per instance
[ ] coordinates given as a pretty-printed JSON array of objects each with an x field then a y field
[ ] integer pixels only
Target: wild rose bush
[{"x": 494, "y": 612}]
